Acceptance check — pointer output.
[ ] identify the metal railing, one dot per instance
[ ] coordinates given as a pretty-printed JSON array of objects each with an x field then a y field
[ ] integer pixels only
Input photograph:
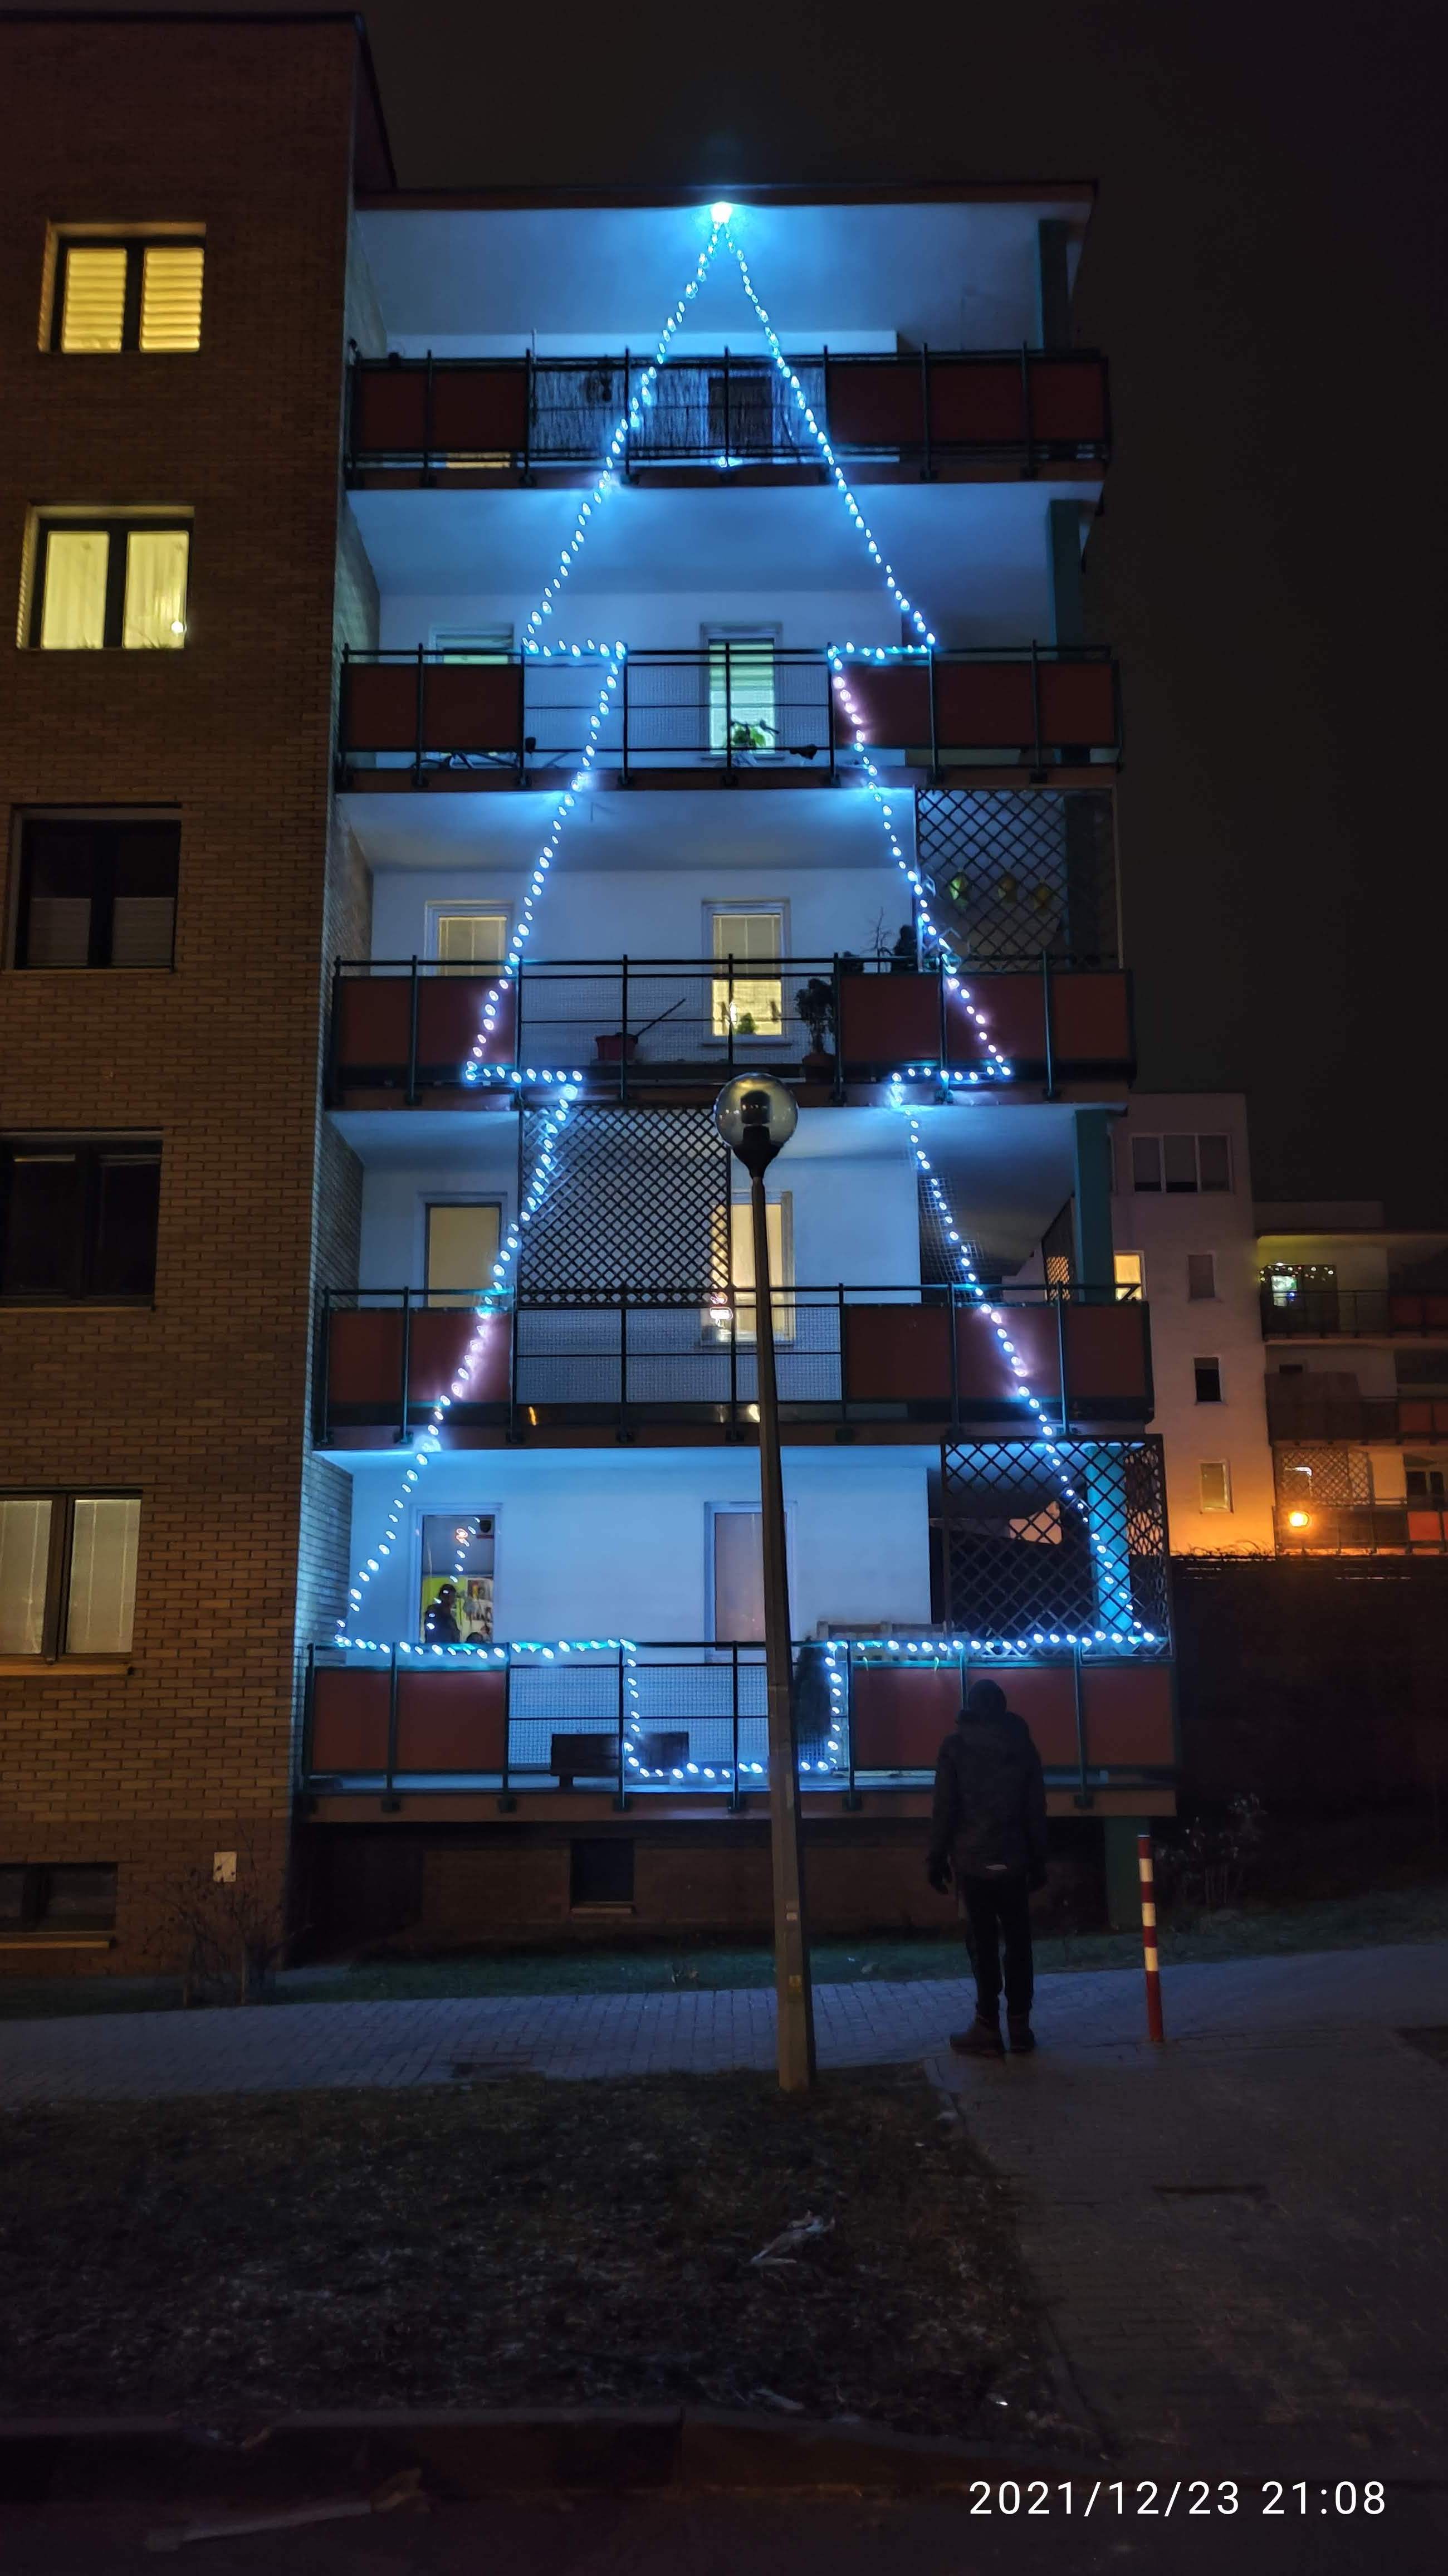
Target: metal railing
[
  {"x": 1372, "y": 1314},
  {"x": 1417, "y": 1526},
  {"x": 437, "y": 419},
  {"x": 437, "y": 716},
  {"x": 846, "y": 1355},
  {"x": 623, "y": 1722}
]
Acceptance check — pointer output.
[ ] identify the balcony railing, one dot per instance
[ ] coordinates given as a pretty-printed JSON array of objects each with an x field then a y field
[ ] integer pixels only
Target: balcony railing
[
  {"x": 935, "y": 412},
  {"x": 1368, "y": 1314},
  {"x": 654, "y": 1720},
  {"x": 1411, "y": 1528},
  {"x": 845, "y": 1356},
  {"x": 1299, "y": 1410},
  {"x": 441, "y": 720},
  {"x": 402, "y": 1029}
]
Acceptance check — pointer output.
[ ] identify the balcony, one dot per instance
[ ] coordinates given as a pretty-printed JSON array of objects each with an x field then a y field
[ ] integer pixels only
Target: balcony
[
  {"x": 678, "y": 1722},
  {"x": 723, "y": 717},
  {"x": 1307, "y": 1409},
  {"x": 935, "y": 415},
  {"x": 883, "y": 1364},
  {"x": 1362, "y": 1314},
  {"x": 1364, "y": 1529},
  {"x": 402, "y": 1029}
]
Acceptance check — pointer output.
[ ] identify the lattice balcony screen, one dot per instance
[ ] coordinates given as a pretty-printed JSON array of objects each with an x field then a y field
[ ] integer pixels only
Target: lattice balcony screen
[
  {"x": 939, "y": 1263},
  {"x": 1017, "y": 1556},
  {"x": 1022, "y": 874},
  {"x": 635, "y": 1200},
  {"x": 1325, "y": 1478}
]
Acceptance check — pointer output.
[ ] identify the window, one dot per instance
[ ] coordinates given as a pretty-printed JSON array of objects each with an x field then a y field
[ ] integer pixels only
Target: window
[
  {"x": 462, "y": 1246},
  {"x": 110, "y": 583},
  {"x": 67, "y": 1573},
  {"x": 738, "y": 1543},
  {"x": 78, "y": 1218},
  {"x": 1214, "y": 1478},
  {"x": 473, "y": 643},
  {"x": 97, "y": 890},
  {"x": 601, "y": 1871},
  {"x": 459, "y": 1551},
  {"x": 1424, "y": 1481},
  {"x": 1177, "y": 1163},
  {"x": 1130, "y": 1270},
  {"x": 1201, "y": 1276},
  {"x": 57, "y": 1897},
  {"x": 1287, "y": 1281},
  {"x": 467, "y": 936},
  {"x": 734, "y": 1260},
  {"x": 127, "y": 294},
  {"x": 741, "y": 690},
  {"x": 1208, "y": 1377},
  {"x": 748, "y": 1002}
]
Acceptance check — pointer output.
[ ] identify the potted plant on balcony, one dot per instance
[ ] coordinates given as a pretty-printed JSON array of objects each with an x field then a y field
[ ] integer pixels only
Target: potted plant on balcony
[
  {"x": 815, "y": 1003},
  {"x": 621, "y": 1046}
]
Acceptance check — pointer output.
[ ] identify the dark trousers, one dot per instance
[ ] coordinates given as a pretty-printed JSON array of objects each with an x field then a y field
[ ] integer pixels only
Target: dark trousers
[{"x": 998, "y": 1916}]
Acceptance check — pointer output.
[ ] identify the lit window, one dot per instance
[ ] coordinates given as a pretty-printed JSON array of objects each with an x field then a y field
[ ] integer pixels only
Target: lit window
[
  {"x": 741, "y": 692},
  {"x": 473, "y": 643},
  {"x": 462, "y": 1246},
  {"x": 750, "y": 1004},
  {"x": 1208, "y": 1378},
  {"x": 110, "y": 582},
  {"x": 1214, "y": 1478},
  {"x": 463, "y": 939},
  {"x": 127, "y": 294},
  {"x": 1201, "y": 1276},
  {"x": 68, "y": 1573},
  {"x": 733, "y": 1305},
  {"x": 1130, "y": 1269}
]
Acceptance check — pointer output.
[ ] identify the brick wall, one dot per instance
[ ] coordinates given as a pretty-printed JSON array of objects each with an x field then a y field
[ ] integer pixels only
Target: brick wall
[{"x": 201, "y": 1404}]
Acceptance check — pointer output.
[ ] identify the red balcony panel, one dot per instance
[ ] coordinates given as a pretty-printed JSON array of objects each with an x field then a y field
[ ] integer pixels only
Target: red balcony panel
[
  {"x": 1068, "y": 401},
  {"x": 1078, "y": 704},
  {"x": 1106, "y": 1355},
  {"x": 1045, "y": 1696},
  {"x": 389, "y": 411},
  {"x": 1014, "y": 1010},
  {"x": 983, "y": 1371},
  {"x": 1091, "y": 1018},
  {"x": 479, "y": 411},
  {"x": 452, "y": 1721},
  {"x": 349, "y": 1719},
  {"x": 440, "y": 1336},
  {"x": 1409, "y": 1312},
  {"x": 1415, "y": 1416},
  {"x": 976, "y": 402},
  {"x": 450, "y": 1015},
  {"x": 379, "y": 706},
  {"x": 983, "y": 705},
  {"x": 897, "y": 1354},
  {"x": 889, "y": 1019},
  {"x": 891, "y": 702},
  {"x": 374, "y": 1018},
  {"x": 472, "y": 706},
  {"x": 874, "y": 406},
  {"x": 902, "y": 1718},
  {"x": 1128, "y": 1715},
  {"x": 364, "y": 1358},
  {"x": 1428, "y": 1529}
]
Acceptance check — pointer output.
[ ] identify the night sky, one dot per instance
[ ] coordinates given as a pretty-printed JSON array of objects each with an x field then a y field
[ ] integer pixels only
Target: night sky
[{"x": 1265, "y": 272}]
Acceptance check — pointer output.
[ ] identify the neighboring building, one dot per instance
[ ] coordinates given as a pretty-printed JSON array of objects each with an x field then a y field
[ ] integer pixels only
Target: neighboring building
[
  {"x": 1355, "y": 1321},
  {"x": 1184, "y": 1235},
  {"x": 377, "y": 1322}
]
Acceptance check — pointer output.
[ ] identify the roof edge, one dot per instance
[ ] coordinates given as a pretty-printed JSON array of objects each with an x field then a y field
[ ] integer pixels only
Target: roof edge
[{"x": 828, "y": 192}]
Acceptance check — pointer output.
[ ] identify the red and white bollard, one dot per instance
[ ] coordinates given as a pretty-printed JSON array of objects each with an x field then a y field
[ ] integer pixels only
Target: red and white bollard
[{"x": 1151, "y": 1955}]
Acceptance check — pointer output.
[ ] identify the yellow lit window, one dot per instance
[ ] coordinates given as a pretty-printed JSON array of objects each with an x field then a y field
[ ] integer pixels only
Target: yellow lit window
[
  {"x": 93, "y": 298},
  {"x": 155, "y": 610},
  {"x": 734, "y": 1263},
  {"x": 107, "y": 582},
  {"x": 464, "y": 941},
  {"x": 749, "y": 1002},
  {"x": 73, "y": 602},
  {"x": 1130, "y": 1274},
  {"x": 462, "y": 1246},
  {"x": 171, "y": 295}
]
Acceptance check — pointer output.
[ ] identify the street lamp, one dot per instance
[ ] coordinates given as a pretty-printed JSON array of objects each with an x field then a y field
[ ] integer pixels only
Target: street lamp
[{"x": 756, "y": 1116}]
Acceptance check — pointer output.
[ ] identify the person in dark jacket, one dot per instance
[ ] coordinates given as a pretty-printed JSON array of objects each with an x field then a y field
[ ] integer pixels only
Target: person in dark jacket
[
  {"x": 440, "y": 1627},
  {"x": 813, "y": 1703},
  {"x": 988, "y": 1831}
]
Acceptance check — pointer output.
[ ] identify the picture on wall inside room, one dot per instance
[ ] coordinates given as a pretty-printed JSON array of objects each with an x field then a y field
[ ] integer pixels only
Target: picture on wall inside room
[{"x": 456, "y": 1603}]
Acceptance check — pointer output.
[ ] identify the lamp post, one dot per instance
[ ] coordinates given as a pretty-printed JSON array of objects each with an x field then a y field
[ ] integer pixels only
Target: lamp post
[{"x": 756, "y": 1116}]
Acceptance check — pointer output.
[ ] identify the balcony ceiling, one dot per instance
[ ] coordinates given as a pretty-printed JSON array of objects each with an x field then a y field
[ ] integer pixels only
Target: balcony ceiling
[
  {"x": 972, "y": 556},
  {"x": 663, "y": 831},
  {"x": 606, "y": 278}
]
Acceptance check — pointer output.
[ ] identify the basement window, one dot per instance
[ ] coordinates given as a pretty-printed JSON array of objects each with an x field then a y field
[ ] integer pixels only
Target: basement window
[
  {"x": 115, "y": 291},
  {"x": 601, "y": 1872},
  {"x": 57, "y": 1897}
]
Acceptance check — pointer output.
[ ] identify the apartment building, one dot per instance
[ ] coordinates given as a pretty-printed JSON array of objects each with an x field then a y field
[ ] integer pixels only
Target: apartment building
[{"x": 489, "y": 667}]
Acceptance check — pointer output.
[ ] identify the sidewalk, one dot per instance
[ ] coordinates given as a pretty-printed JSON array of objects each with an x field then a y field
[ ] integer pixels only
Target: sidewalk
[{"x": 136, "y": 2056}]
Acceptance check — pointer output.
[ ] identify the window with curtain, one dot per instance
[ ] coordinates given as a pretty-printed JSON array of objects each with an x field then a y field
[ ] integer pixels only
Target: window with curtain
[
  {"x": 467, "y": 937},
  {"x": 1130, "y": 1270},
  {"x": 97, "y": 890},
  {"x": 68, "y": 1573},
  {"x": 741, "y": 692},
  {"x": 745, "y": 1000},
  {"x": 110, "y": 583},
  {"x": 733, "y": 1246},
  {"x": 738, "y": 1577},
  {"x": 119, "y": 293},
  {"x": 1214, "y": 1485},
  {"x": 462, "y": 1246}
]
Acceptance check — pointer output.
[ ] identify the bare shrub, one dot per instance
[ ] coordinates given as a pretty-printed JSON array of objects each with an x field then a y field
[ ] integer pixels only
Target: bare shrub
[{"x": 230, "y": 1928}]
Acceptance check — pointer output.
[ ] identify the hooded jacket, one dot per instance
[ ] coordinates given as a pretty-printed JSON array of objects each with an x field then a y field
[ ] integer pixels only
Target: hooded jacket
[{"x": 989, "y": 1810}]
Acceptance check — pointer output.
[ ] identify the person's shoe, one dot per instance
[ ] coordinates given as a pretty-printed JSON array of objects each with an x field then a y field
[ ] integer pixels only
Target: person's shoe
[
  {"x": 983, "y": 2039},
  {"x": 1023, "y": 2038}
]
